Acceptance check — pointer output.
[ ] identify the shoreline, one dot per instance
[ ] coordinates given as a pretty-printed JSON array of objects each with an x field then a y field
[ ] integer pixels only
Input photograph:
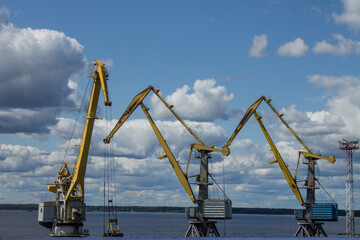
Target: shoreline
[{"x": 235, "y": 210}]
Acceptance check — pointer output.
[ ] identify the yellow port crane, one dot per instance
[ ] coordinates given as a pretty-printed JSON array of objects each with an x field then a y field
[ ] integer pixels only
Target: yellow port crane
[
  {"x": 65, "y": 216},
  {"x": 312, "y": 212},
  {"x": 207, "y": 208}
]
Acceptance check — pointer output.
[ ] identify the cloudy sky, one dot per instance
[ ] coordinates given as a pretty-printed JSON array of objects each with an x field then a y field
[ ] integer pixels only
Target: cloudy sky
[{"x": 212, "y": 60}]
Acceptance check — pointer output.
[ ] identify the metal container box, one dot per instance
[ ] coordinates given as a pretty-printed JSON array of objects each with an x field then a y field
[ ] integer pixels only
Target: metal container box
[
  {"x": 192, "y": 212},
  {"x": 218, "y": 208},
  {"x": 47, "y": 213},
  {"x": 299, "y": 214},
  {"x": 325, "y": 211},
  {"x": 319, "y": 212}
]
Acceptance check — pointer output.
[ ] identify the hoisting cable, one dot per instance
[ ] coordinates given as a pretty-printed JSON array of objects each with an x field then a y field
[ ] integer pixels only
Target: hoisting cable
[
  {"x": 108, "y": 177},
  {"x": 218, "y": 186},
  {"x": 325, "y": 190},
  {"x": 104, "y": 228},
  {"x": 112, "y": 176},
  {"x": 105, "y": 175},
  {"x": 322, "y": 196},
  {"x": 113, "y": 229},
  {"x": 223, "y": 160},
  {"x": 78, "y": 114}
]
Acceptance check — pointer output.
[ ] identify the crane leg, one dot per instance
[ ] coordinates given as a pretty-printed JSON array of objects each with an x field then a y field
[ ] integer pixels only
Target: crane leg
[
  {"x": 202, "y": 229},
  {"x": 310, "y": 229}
]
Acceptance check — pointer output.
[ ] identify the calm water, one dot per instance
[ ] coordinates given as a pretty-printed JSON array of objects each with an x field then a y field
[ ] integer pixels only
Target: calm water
[{"x": 23, "y": 224}]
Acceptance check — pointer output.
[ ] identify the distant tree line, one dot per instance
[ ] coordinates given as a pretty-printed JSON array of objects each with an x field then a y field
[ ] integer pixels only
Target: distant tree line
[
  {"x": 235, "y": 210},
  {"x": 137, "y": 209},
  {"x": 28, "y": 207}
]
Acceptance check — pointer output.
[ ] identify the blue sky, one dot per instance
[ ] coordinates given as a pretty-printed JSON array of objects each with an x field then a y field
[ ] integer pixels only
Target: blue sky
[{"x": 211, "y": 59}]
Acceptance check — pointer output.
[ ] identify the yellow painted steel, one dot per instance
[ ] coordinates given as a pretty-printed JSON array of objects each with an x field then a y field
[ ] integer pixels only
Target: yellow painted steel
[
  {"x": 330, "y": 159},
  {"x": 129, "y": 110},
  {"x": 287, "y": 125},
  {"x": 199, "y": 148},
  {"x": 138, "y": 100},
  {"x": 76, "y": 189},
  {"x": 291, "y": 181},
  {"x": 297, "y": 166},
  {"x": 103, "y": 76},
  {"x": 248, "y": 114},
  {"x": 178, "y": 171},
  {"x": 64, "y": 173},
  {"x": 225, "y": 149},
  {"x": 307, "y": 154},
  {"x": 113, "y": 229},
  {"x": 135, "y": 103},
  {"x": 170, "y": 107},
  {"x": 205, "y": 148},
  {"x": 51, "y": 187}
]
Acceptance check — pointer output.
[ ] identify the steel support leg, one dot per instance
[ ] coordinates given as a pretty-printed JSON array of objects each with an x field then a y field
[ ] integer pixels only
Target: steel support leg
[
  {"x": 202, "y": 229},
  {"x": 310, "y": 230}
]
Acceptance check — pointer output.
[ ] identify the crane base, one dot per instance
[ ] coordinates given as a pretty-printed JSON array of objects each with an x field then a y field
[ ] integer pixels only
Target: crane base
[
  {"x": 69, "y": 230},
  {"x": 310, "y": 229},
  {"x": 202, "y": 229}
]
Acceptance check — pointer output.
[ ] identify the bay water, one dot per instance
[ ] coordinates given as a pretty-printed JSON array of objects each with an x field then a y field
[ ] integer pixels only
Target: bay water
[{"x": 15, "y": 224}]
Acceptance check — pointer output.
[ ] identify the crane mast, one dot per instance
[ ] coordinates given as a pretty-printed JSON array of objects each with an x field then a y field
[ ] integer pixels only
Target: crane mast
[{"x": 65, "y": 216}]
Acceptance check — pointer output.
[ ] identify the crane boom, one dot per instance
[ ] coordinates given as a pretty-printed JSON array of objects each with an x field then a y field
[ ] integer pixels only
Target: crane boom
[
  {"x": 246, "y": 117},
  {"x": 103, "y": 76},
  {"x": 287, "y": 125},
  {"x": 178, "y": 171},
  {"x": 170, "y": 107},
  {"x": 129, "y": 110},
  {"x": 80, "y": 168},
  {"x": 330, "y": 159},
  {"x": 289, "y": 178}
]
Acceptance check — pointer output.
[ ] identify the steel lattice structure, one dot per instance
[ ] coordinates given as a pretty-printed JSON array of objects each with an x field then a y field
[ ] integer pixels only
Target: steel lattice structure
[{"x": 349, "y": 148}]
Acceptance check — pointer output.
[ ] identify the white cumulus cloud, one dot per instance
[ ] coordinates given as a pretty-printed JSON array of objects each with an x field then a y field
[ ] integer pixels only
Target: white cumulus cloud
[
  {"x": 37, "y": 69},
  {"x": 296, "y": 48},
  {"x": 258, "y": 48},
  {"x": 321, "y": 130},
  {"x": 350, "y": 15},
  {"x": 206, "y": 103},
  {"x": 344, "y": 46}
]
